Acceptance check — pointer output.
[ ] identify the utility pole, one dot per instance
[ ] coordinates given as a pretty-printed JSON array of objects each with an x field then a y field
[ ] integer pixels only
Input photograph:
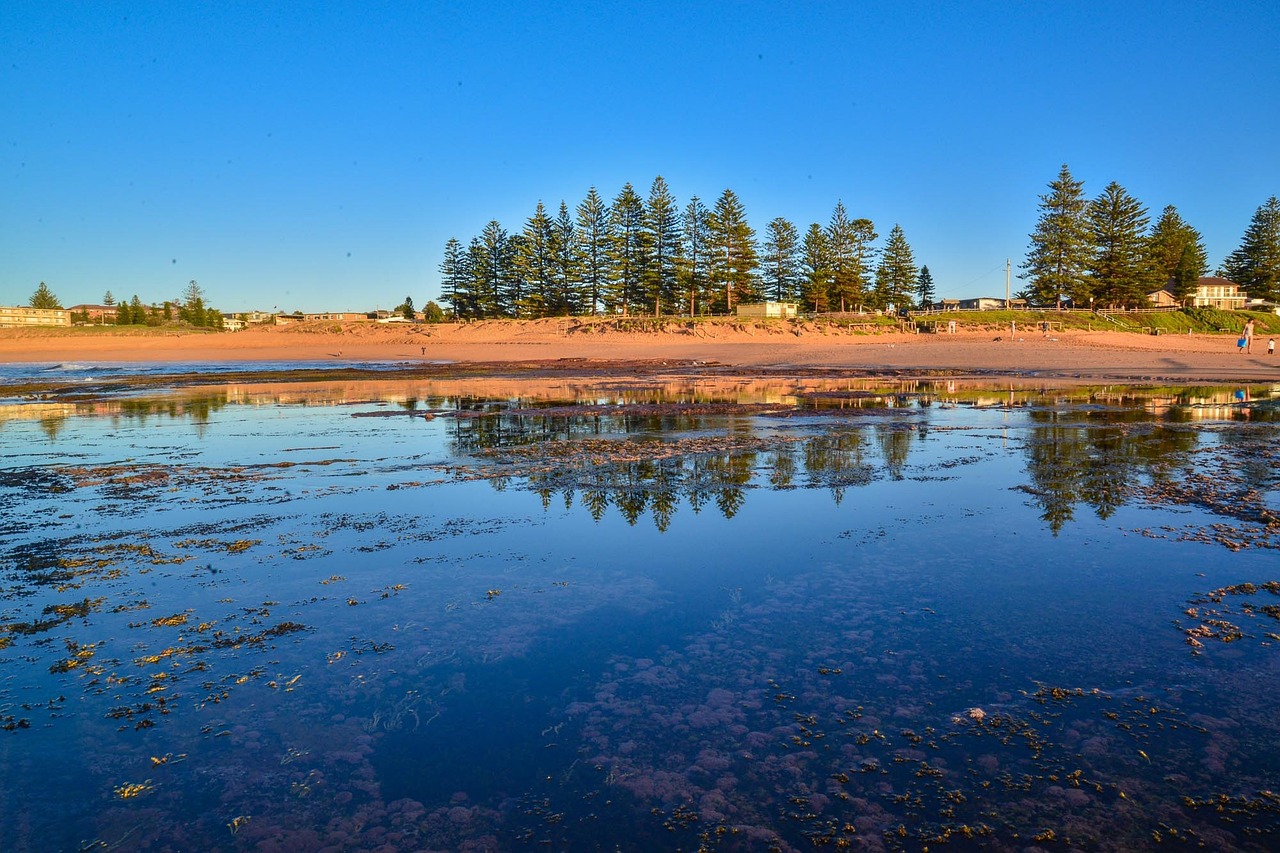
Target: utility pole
[{"x": 1008, "y": 304}]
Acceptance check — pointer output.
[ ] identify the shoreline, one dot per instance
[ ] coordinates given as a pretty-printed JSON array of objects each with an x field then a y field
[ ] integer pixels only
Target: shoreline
[{"x": 564, "y": 348}]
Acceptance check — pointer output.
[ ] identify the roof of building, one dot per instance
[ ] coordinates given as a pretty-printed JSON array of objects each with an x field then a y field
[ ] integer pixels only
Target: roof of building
[{"x": 1215, "y": 281}]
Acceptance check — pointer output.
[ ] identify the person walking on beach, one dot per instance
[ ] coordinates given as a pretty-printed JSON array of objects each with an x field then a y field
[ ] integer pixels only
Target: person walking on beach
[
  {"x": 1271, "y": 346},
  {"x": 1247, "y": 337}
]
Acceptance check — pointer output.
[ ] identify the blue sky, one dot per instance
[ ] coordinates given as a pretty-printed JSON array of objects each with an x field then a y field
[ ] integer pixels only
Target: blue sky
[{"x": 318, "y": 156}]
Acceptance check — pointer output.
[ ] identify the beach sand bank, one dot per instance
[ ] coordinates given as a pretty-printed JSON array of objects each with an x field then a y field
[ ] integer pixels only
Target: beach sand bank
[{"x": 772, "y": 348}]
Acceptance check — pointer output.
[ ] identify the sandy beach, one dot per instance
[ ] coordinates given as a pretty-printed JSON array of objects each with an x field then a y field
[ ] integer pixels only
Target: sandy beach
[{"x": 768, "y": 348}]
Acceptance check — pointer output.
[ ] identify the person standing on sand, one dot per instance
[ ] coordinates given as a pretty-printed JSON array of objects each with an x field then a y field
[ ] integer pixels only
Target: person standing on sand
[
  {"x": 1271, "y": 346},
  {"x": 1247, "y": 337}
]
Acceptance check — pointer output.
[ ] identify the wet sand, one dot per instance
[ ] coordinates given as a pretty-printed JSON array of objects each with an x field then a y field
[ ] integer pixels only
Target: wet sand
[{"x": 742, "y": 348}]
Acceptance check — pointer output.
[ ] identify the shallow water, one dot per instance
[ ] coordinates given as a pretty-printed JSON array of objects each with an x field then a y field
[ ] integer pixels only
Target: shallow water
[{"x": 431, "y": 616}]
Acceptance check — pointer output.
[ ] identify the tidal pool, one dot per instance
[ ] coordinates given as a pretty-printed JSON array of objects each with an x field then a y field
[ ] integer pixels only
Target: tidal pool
[{"x": 732, "y": 615}]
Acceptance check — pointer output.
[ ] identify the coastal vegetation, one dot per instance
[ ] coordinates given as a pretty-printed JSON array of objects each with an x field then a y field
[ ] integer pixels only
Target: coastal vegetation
[{"x": 637, "y": 255}]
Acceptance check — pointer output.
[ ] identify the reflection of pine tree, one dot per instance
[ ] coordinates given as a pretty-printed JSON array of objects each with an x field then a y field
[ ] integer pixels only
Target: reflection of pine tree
[
  {"x": 1105, "y": 487},
  {"x": 729, "y": 501},
  {"x": 732, "y": 474},
  {"x": 836, "y": 461},
  {"x": 664, "y": 507},
  {"x": 1054, "y": 458},
  {"x": 631, "y": 503},
  {"x": 1100, "y": 465},
  {"x": 631, "y": 496},
  {"x": 782, "y": 468},
  {"x": 895, "y": 446},
  {"x": 596, "y": 501},
  {"x": 667, "y": 477}
]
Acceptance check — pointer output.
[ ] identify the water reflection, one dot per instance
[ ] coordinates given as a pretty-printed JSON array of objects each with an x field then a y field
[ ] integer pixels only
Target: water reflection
[
  {"x": 744, "y": 617},
  {"x": 645, "y": 451},
  {"x": 1097, "y": 457}
]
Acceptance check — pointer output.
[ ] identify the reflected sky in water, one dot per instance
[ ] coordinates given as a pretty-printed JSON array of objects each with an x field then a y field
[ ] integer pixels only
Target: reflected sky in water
[{"x": 734, "y": 616}]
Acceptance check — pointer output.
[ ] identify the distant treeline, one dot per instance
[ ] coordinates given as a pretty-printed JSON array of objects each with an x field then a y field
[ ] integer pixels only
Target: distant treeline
[
  {"x": 650, "y": 256},
  {"x": 190, "y": 310}
]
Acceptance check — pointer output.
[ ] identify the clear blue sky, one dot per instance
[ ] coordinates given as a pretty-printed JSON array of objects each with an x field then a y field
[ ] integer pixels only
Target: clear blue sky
[{"x": 318, "y": 156}]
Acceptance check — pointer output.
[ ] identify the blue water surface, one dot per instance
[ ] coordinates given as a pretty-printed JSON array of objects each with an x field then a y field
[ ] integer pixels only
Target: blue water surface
[{"x": 407, "y": 615}]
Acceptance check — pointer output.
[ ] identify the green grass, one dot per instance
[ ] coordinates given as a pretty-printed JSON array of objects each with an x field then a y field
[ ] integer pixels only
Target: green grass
[{"x": 1186, "y": 320}]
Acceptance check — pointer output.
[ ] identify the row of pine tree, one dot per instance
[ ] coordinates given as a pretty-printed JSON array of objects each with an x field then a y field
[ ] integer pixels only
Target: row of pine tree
[
  {"x": 1101, "y": 252},
  {"x": 649, "y": 256}
]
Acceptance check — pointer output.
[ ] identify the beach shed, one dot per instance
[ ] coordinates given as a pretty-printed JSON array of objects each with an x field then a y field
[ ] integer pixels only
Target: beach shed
[{"x": 781, "y": 310}]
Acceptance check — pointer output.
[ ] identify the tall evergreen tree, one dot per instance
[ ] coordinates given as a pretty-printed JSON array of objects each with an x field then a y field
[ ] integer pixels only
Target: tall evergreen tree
[
  {"x": 594, "y": 246},
  {"x": 491, "y": 266},
  {"x": 924, "y": 288},
  {"x": 455, "y": 280},
  {"x": 108, "y": 299},
  {"x": 517, "y": 296},
  {"x": 1176, "y": 257},
  {"x": 896, "y": 273},
  {"x": 662, "y": 240},
  {"x": 192, "y": 310},
  {"x": 476, "y": 267},
  {"x": 815, "y": 264},
  {"x": 567, "y": 294},
  {"x": 1118, "y": 228},
  {"x": 535, "y": 265},
  {"x": 732, "y": 246},
  {"x": 843, "y": 293},
  {"x": 849, "y": 243},
  {"x": 1060, "y": 248},
  {"x": 627, "y": 252},
  {"x": 1256, "y": 263},
  {"x": 780, "y": 262},
  {"x": 406, "y": 309},
  {"x": 43, "y": 298},
  {"x": 695, "y": 260}
]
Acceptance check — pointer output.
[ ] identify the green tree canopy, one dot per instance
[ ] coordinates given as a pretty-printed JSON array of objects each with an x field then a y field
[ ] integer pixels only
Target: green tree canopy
[
  {"x": 566, "y": 294},
  {"x": 732, "y": 247},
  {"x": 662, "y": 245},
  {"x": 896, "y": 273},
  {"x": 1256, "y": 263},
  {"x": 627, "y": 251},
  {"x": 1118, "y": 272},
  {"x": 695, "y": 261},
  {"x": 455, "y": 280},
  {"x": 43, "y": 298},
  {"x": 406, "y": 308},
  {"x": 535, "y": 264},
  {"x": 781, "y": 260},
  {"x": 924, "y": 288},
  {"x": 1176, "y": 257},
  {"x": 1060, "y": 249},
  {"x": 192, "y": 310},
  {"x": 815, "y": 264},
  {"x": 594, "y": 242}
]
